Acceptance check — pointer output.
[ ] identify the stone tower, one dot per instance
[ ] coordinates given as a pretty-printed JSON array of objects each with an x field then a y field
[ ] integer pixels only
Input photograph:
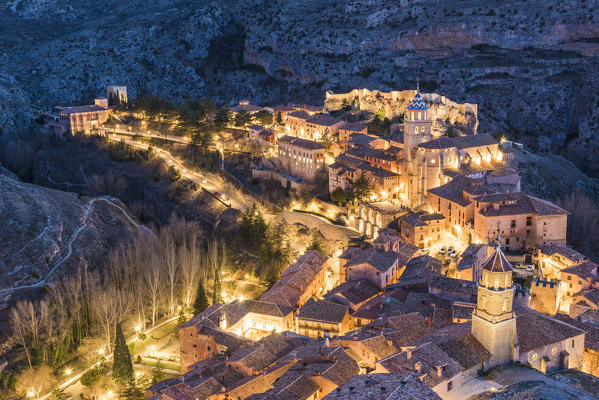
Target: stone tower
[
  {"x": 493, "y": 320},
  {"x": 416, "y": 125},
  {"x": 417, "y": 129}
]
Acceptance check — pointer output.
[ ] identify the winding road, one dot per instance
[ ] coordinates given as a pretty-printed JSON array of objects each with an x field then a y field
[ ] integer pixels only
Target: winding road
[{"x": 74, "y": 237}]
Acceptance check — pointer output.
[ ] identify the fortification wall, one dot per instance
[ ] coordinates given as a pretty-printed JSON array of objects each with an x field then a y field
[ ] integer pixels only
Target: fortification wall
[{"x": 441, "y": 109}]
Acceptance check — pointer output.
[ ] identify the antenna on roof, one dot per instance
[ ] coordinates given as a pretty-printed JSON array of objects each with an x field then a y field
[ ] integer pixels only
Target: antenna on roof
[{"x": 418, "y": 84}]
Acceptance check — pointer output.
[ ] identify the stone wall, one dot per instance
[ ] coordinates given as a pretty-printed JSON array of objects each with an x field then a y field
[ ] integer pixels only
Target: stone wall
[{"x": 441, "y": 110}]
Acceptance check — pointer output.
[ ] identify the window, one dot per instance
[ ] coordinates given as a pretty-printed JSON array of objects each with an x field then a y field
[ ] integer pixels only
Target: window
[
  {"x": 554, "y": 350},
  {"x": 507, "y": 241},
  {"x": 513, "y": 223},
  {"x": 195, "y": 345},
  {"x": 528, "y": 221},
  {"x": 535, "y": 356},
  {"x": 449, "y": 385},
  {"x": 208, "y": 348}
]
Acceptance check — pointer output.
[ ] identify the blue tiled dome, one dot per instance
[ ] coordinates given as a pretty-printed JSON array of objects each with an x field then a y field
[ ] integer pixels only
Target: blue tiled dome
[{"x": 417, "y": 103}]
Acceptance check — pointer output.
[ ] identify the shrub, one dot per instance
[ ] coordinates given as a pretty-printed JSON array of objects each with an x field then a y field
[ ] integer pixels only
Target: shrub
[{"x": 93, "y": 376}]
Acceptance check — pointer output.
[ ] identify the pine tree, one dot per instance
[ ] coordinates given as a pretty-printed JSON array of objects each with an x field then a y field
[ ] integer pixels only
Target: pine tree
[
  {"x": 201, "y": 302},
  {"x": 122, "y": 368}
]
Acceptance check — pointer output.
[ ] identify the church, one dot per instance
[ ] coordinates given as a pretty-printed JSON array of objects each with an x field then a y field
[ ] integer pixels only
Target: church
[
  {"x": 515, "y": 333},
  {"x": 430, "y": 161}
]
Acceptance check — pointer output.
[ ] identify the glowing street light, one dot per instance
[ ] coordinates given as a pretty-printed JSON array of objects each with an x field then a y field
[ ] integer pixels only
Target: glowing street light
[
  {"x": 179, "y": 308},
  {"x": 101, "y": 351},
  {"x": 30, "y": 394},
  {"x": 68, "y": 371},
  {"x": 109, "y": 393},
  {"x": 137, "y": 328},
  {"x": 247, "y": 276},
  {"x": 137, "y": 374}
]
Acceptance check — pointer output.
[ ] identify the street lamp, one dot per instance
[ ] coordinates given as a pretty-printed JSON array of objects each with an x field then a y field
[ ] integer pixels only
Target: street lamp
[
  {"x": 68, "y": 371},
  {"x": 101, "y": 351}
]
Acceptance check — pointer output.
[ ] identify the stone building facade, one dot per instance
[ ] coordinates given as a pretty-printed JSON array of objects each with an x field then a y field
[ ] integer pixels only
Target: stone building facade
[{"x": 301, "y": 158}]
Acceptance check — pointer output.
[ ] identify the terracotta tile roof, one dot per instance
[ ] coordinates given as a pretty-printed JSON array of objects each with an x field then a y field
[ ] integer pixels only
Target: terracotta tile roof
[
  {"x": 565, "y": 251},
  {"x": 360, "y": 139},
  {"x": 421, "y": 267},
  {"x": 469, "y": 256},
  {"x": 296, "y": 279},
  {"x": 537, "y": 330},
  {"x": 380, "y": 346},
  {"x": 497, "y": 262},
  {"x": 356, "y": 292},
  {"x": 590, "y": 317},
  {"x": 299, "y": 114},
  {"x": 420, "y": 218},
  {"x": 517, "y": 203},
  {"x": 354, "y": 126},
  {"x": 462, "y": 310},
  {"x": 300, "y": 389},
  {"x": 299, "y": 142},
  {"x": 323, "y": 310},
  {"x": 404, "y": 386},
  {"x": 591, "y": 295},
  {"x": 279, "y": 344},
  {"x": 323, "y": 120},
  {"x": 81, "y": 109},
  {"x": 591, "y": 339},
  {"x": 256, "y": 358},
  {"x": 454, "y": 190},
  {"x": 378, "y": 259},
  {"x": 466, "y": 350},
  {"x": 452, "y": 285},
  {"x": 586, "y": 269},
  {"x": 425, "y": 360}
]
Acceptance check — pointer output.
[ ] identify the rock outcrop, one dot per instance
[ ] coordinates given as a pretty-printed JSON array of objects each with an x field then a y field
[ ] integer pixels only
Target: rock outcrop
[
  {"x": 533, "y": 67},
  {"x": 48, "y": 233}
]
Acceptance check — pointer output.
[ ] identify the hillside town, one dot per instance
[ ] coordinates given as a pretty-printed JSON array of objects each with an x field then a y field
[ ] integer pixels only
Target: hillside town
[{"x": 457, "y": 270}]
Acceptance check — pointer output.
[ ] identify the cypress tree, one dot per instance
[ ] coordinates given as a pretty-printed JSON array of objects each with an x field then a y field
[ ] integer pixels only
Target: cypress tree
[
  {"x": 201, "y": 302},
  {"x": 122, "y": 368}
]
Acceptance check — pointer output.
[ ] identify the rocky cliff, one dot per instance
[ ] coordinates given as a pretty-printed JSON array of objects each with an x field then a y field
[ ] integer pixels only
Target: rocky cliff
[
  {"x": 532, "y": 67},
  {"x": 47, "y": 233}
]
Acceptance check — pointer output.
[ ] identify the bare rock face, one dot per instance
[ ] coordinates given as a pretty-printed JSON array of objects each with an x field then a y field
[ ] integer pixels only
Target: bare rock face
[
  {"x": 532, "y": 68},
  {"x": 441, "y": 110},
  {"x": 47, "y": 233}
]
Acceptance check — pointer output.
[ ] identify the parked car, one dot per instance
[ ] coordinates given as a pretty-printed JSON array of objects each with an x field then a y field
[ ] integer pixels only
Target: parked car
[
  {"x": 425, "y": 251},
  {"x": 530, "y": 268},
  {"x": 443, "y": 251},
  {"x": 449, "y": 249},
  {"x": 453, "y": 253}
]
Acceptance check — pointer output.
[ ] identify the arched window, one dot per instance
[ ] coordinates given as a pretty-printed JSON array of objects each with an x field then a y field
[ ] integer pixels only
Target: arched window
[
  {"x": 419, "y": 115},
  {"x": 505, "y": 305},
  {"x": 483, "y": 302}
]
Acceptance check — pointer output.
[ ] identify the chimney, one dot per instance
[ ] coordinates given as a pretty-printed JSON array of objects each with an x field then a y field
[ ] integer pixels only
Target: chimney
[
  {"x": 389, "y": 342},
  {"x": 429, "y": 320},
  {"x": 439, "y": 369},
  {"x": 417, "y": 366},
  {"x": 326, "y": 342},
  {"x": 409, "y": 353}
]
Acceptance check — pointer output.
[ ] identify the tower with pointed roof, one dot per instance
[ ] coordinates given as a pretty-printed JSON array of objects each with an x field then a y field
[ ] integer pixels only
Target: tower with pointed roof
[
  {"x": 417, "y": 125},
  {"x": 493, "y": 320},
  {"x": 417, "y": 130}
]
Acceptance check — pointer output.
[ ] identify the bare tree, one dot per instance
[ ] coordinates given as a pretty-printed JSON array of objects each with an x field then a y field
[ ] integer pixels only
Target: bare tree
[
  {"x": 109, "y": 305},
  {"x": 171, "y": 270},
  {"x": 153, "y": 283},
  {"x": 20, "y": 327},
  {"x": 191, "y": 258}
]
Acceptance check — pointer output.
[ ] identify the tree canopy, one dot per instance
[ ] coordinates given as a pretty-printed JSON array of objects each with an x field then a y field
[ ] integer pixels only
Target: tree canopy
[{"x": 122, "y": 368}]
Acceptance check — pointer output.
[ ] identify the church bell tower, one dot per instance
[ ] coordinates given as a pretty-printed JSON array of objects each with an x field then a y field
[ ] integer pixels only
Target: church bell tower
[{"x": 493, "y": 320}]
